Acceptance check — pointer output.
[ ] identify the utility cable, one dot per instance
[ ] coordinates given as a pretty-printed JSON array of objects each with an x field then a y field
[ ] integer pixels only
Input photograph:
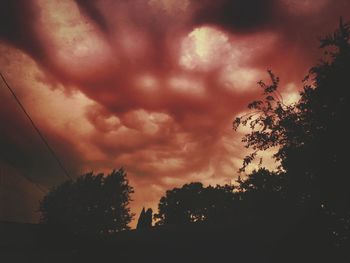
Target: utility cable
[{"x": 55, "y": 156}]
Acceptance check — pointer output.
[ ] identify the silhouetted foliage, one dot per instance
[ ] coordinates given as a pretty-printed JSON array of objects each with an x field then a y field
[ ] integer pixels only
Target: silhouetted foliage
[
  {"x": 262, "y": 193},
  {"x": 148, "y": 218},
  {"x": 141, "y": 220},
  {"x": 311, "y": 135},
  {"x": 195, "y": 203},
  {"x": 263, "y": 182},
  {"x": 145, "y": 219},
  {"x": 90, "y": 205}
]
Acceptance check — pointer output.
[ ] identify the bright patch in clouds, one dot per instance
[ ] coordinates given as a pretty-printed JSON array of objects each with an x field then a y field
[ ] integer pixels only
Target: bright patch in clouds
[
  {"x": 240, "y": 79},
  {"x": 290, "y": 94},
  {"x": 147, "y": 83},
  {"x": 206, "y": 48},
  {"x": 186, "y": 85}
]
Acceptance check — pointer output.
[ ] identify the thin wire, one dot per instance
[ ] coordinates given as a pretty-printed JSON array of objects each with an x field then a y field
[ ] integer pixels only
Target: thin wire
[
  {"x": 41, "y": 188},
  {"x": 55, "y": 156}
]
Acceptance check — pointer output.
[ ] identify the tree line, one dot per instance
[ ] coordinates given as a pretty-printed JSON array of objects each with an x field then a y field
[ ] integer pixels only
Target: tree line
[{"x": 312, "y": 139}]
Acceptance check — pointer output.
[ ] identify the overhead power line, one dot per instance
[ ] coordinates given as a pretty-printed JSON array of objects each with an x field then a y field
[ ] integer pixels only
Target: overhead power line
[
  {"x": 54, "y": 155},
  {"x": 41, "y": 188}
]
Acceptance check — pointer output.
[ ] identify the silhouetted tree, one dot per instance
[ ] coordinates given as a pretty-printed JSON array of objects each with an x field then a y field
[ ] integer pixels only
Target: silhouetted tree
[
  {"x": 90, "y": 205},
  {"x": 141, "y": 220},
  {"x": 195, "y": 203},
  {"x": 311, "y": 135},
  {"x": 262, "y": 191},
  {"x": 145, "y": 219},
  {"x": 148, "y": 218}
]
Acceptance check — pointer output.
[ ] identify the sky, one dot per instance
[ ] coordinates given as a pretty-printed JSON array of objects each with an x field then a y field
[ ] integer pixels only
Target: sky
[{"x": 149, "y": 85}]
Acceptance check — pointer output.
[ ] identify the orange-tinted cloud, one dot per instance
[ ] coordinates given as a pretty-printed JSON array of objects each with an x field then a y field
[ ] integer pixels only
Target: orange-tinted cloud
[{"x": 149, "y": 85}]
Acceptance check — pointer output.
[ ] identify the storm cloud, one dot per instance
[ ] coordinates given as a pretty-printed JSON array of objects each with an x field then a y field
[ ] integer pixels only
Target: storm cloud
[{"x": 149, "y": 85}]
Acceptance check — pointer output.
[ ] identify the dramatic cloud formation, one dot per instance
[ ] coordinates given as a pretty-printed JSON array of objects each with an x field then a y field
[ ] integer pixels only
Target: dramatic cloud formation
[{"x": 151, "y": 85}]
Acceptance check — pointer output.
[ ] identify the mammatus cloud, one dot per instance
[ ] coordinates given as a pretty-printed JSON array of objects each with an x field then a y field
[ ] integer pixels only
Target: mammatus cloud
[{"x": 149, "y": 85}]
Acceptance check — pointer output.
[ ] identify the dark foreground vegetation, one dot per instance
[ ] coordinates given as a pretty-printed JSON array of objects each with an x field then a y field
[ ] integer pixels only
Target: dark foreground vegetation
[
  {"x": 283, "y": 238},
  {"x": 297, "y": 213}
]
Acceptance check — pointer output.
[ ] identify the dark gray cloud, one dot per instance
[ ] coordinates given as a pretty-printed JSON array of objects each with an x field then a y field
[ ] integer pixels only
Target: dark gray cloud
[
  {"x": 238, "y": 15},
  {"x": 17, "y": 25},
  {"x": 90, "y": 7}
]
